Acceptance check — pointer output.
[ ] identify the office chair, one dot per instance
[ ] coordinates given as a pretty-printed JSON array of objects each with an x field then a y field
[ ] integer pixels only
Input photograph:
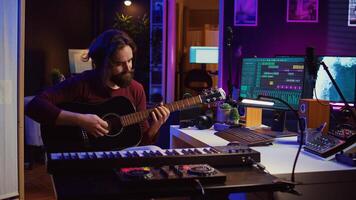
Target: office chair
[{"x": 198, "y": 80}]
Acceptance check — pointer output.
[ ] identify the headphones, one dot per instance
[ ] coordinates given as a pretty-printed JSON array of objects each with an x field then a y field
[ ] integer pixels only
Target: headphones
[{"x": 201, "y": 122}]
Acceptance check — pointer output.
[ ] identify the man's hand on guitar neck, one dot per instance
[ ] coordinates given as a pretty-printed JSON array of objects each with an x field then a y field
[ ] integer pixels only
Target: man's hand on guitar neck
[
  {"x": 93, "y": 124},
  {"x": 159, "y": 116}
]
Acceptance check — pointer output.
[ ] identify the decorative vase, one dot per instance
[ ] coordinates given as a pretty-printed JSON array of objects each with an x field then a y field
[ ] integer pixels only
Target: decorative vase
[{"x": 222, "y": 115}]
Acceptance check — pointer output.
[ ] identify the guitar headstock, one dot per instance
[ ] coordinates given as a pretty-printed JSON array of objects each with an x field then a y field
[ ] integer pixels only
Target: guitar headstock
[{"x": 212, "y": 95}]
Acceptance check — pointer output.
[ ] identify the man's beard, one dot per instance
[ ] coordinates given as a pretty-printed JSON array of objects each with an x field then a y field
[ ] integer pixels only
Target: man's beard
[{"x": 123, "y": 79}]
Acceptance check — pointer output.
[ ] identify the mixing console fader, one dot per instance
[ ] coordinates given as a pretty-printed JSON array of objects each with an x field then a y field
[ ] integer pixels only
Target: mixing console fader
[{"x": 326, "y": 145}]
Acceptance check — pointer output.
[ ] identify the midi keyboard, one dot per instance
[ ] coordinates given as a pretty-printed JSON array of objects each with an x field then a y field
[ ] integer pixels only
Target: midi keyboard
[{"x": 107, "y": 160}]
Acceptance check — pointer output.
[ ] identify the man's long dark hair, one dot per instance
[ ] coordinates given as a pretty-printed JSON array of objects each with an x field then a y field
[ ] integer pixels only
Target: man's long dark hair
[{"x": 105, "y": 45}]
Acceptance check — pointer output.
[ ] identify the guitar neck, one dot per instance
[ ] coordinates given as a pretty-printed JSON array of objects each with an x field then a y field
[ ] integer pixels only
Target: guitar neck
[{"x": 137, "y": 117}]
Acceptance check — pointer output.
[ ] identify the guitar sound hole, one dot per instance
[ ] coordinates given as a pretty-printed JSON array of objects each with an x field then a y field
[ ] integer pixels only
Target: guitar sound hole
[{"x": 114, "y": 123}]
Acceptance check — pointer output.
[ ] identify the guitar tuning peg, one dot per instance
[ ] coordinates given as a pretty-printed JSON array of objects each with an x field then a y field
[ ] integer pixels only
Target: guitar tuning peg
[
  {"x": 208, "y": 100},
  {"x": 214, "y": 98}
]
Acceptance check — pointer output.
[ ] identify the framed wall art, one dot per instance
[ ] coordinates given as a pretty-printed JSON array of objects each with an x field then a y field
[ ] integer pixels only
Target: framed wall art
[
  {"x": 245, "y": 12},
  {"x": 352, "y": 13},
  {"x": 302, "y": 11}
]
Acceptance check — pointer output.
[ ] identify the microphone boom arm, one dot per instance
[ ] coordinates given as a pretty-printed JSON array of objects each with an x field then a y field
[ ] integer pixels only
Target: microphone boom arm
[
  {"x": 301, "y": 127},
  {"x": 338, "y": 91}
]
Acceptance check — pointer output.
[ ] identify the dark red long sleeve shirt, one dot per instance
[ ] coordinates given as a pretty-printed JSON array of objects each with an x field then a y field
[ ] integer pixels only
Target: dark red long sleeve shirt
[{"x": 87, "y": 88}]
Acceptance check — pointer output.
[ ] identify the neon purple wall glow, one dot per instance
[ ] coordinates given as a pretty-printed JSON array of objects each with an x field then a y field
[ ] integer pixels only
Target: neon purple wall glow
[
  {"x": 221, "y": 44},
  {"x": 171, "y": 50},
  {"x": 164, "y": 52},
  {"x": 275, "y": 36}
]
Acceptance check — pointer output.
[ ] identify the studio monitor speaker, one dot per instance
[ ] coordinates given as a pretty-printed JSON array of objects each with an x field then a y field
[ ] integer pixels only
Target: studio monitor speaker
[{"x": 314, "y": 113}]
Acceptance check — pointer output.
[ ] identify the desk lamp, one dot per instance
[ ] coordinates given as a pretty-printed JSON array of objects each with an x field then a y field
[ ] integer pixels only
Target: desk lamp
[{"x": 300, "y": 123}]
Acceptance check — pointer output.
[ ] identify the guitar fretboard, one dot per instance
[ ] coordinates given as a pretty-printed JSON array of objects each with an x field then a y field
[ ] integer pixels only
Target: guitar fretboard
[{"x": 137, "y": 117}]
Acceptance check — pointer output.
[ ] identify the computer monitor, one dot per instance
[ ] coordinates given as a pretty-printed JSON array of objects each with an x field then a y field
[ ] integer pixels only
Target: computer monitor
[
  {"x": 343, "y": 71},
  {"x": 204, "y": 54},
  {"x": 76, "y": 61},
  {"x": 280, "y": 77}
]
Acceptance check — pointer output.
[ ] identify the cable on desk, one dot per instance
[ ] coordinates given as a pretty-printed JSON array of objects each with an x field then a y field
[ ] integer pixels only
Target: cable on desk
[
  {"x": 301, "y": 124},
  {"x": 291, "y": 185},
  {"x": 258, "y": 165},
  {"x": 200, "y": 186}
]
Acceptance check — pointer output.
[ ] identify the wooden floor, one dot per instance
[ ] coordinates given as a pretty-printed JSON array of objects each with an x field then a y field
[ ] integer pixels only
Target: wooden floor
[{"x": 38, "y": 184}]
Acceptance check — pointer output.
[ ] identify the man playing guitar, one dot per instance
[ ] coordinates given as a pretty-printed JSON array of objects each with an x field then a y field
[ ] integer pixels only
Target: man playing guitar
[{"x": 112, "y": 55}]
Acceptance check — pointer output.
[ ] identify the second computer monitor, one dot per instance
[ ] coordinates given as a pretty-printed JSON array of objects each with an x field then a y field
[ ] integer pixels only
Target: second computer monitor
[
  {"x": 277, "y": 77},
  {"x": 204, "y": 54},
  {"x": 343, "y": 71}
]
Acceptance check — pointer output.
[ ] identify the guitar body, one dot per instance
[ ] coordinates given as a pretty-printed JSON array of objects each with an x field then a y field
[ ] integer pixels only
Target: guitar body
[
  {"x": 118, "y": 112},
  {"x": 71, "y": 138}
]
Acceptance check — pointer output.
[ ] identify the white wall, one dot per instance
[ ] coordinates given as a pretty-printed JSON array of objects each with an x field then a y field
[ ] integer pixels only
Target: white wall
[{"x": 8, "y": 98}]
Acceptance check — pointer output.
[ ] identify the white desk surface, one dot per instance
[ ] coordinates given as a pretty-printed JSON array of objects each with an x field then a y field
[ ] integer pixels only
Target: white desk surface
[{"x": 277, "y": 158}]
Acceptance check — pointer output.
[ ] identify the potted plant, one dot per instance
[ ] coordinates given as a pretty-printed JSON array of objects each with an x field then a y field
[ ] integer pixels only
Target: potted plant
[
  {"x": 137, "y": 27},
  {"x": 223, "y": 112},
  {"x": 56, "y": 76},
  {"x": 234, "y": 116}
]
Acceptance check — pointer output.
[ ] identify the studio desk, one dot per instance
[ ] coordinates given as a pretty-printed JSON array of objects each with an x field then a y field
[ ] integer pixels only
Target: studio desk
[
  {"x": 316, "y": 177},
  {"x": 172, "y": 172}
]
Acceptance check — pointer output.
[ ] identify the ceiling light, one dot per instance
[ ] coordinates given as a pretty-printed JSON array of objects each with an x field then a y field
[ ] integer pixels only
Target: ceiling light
[{"x": 127, "y": 3}]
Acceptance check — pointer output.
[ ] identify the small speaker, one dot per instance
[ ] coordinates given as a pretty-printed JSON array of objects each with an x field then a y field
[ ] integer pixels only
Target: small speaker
[
  {"x": 253, "y": 117},
  {"x": 314, "y": 113},
  {"x": 278, "y": 122}
]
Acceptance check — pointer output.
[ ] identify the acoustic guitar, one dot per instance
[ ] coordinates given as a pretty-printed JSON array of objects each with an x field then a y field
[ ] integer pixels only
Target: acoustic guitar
[{"x": 119, "y": 113}]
